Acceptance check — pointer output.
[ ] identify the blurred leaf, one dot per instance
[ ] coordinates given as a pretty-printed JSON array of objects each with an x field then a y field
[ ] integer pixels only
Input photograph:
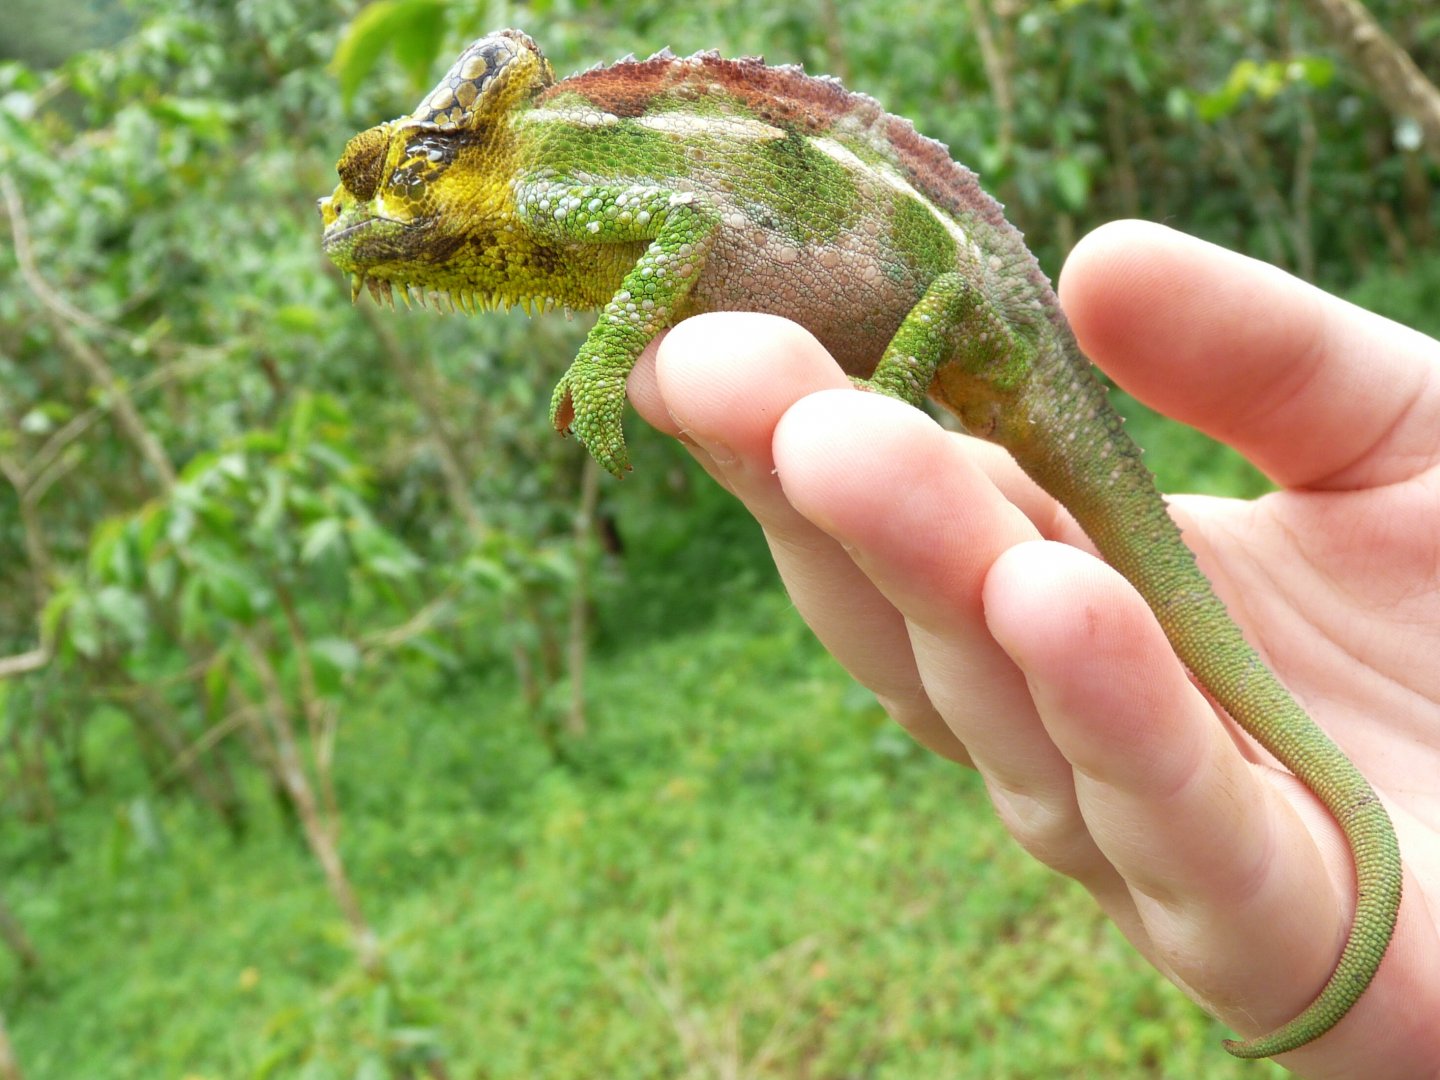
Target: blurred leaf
[
  {"x": 117, "y": 845},
  {"x": 488, "y": 573},
  {"x": 271, "y": 512},
  {"x": 297, "y": 319},
  {"x": 210, "y": 120},
  {"x": 1265, "y": 81},
  {"x": 145, "y": 826},
  {"x": 1072, "y": 182},
  {"x": 323, "y": 538},
  {"x": 417, "y": 47},
  {"x": 412, "y": 28},
  {"x": 123, "y": 610},
  {"x": 334, "y": 659},
  {"x": 1317, "y": 71},
  {"x": 382, "y": 554},
  {"x": 217, "y": 683},
  {"x": 227, "y": 593},
  {"x": 107, "y": 550},
  {"x": 82, "y": 627}
]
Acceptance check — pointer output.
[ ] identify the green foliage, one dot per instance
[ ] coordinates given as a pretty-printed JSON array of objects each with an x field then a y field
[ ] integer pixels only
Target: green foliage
[
  {"x": 272, "y": 512},
  {"x": 1265, "y": 81},
  {"x": 782, "y": 880},
  {"x": 1403, "y": 293},
  {"x": 412, "y": 29}
]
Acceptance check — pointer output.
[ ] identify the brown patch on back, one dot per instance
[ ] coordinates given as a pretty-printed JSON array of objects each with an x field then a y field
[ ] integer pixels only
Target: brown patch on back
[
  {"x": 781, "y": 95},
  {"x": 790, "y": 99},
  {"x": 787, "y": 97},
  {"x": 929, "y": 166}
]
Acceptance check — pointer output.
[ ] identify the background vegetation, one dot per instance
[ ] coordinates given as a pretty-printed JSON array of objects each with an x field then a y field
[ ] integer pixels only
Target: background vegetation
[{"x": 271, "y": 565}]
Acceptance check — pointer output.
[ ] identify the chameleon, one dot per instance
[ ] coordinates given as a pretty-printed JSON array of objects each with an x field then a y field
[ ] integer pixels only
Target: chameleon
[{"x": 651, "y": 190}]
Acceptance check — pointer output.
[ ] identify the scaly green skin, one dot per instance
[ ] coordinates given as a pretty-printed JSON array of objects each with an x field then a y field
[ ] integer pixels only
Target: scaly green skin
[{"x": 657, "y": 189}]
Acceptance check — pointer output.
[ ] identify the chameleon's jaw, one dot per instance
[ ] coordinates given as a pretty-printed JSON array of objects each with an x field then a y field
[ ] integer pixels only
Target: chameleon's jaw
[
  {"x": 357, "y": 235},
  {"x": 341, "y": 239},
  {"x": 387, "y": 257},
  {"x": 368, "y": 246}
]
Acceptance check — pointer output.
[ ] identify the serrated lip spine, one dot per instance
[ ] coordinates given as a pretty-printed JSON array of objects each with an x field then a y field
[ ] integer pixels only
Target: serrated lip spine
[{"x": 383, "y": 290}]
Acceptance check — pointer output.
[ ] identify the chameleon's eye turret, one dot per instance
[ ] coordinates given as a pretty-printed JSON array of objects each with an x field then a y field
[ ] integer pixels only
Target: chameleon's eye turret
[
  {"x": 487, "y": 80},
  {"x": 362, "y": 164},
  {"x": 427, "y": 154}
]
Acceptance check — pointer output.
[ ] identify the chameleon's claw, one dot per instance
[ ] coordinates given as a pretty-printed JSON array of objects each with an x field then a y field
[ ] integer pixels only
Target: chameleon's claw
[{"x": 592, "y": 406}]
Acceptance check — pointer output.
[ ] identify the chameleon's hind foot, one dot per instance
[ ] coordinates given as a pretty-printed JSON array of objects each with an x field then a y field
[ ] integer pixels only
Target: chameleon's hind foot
[{"x": 590, "y": 401}]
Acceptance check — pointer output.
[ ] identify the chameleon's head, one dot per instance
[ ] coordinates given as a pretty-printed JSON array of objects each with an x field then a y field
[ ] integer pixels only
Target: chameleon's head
[{"x": 413, "y": 191}]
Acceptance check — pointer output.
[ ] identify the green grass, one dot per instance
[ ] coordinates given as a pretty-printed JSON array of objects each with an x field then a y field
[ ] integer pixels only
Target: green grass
[{"x": 744, "y": 866}]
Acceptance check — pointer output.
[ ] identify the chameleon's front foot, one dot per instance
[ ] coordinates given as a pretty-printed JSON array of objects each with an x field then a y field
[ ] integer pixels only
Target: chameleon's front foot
[
  {"x": 874, "y": 386},
  {"x": 590, "y": 401}
]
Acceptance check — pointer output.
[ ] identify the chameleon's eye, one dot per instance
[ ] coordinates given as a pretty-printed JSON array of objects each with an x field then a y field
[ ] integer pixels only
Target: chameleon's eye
[
  {"x": 363, "y": 162},
  {"x": 426, "y": 156},
  {"x": 431, "y": 149}
]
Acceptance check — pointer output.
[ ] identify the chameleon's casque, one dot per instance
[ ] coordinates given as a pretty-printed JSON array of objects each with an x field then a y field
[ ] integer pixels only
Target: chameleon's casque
[{"x": 656, "y": 189}]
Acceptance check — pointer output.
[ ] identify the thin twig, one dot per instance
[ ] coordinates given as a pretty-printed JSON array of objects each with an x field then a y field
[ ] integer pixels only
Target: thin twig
[
  {"x": 26, "y": 662},
  {"x": 381, "y": 641},
  {"x": 63, "y": 317},
  {"x": 186, "y": 759}
]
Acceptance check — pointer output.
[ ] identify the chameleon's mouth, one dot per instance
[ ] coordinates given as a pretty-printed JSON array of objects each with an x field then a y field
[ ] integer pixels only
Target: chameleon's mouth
[
  {"x": 378, "y": 252},
  {"x": 362, "y": 246},
  {"x": 384, "y": 290},
  {"x": 334, "y": 236}
]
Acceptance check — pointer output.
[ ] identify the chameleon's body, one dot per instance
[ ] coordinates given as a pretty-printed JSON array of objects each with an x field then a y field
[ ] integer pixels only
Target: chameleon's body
[{"x": 657, "y": 189}]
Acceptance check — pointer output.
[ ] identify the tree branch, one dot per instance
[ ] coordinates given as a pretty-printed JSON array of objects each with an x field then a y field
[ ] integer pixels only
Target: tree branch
[
  {"x": 9, "y": 1067},
  {"x": 63, "y": 317},
  {"x": 38, "y": 553},
  {"x": 1391, "y": 73}
]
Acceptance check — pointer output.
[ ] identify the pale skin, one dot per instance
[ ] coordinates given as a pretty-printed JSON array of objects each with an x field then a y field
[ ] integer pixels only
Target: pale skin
[{"x": 949, "y": 584}]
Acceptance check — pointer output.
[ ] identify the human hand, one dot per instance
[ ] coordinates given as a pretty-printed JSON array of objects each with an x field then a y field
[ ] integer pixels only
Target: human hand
[{"x": 949, "y": 584}]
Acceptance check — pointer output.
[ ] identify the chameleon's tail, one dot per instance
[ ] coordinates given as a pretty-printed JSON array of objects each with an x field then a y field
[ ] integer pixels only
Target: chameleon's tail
[
  {"x": 1084, "y": 459},
  {"x": 1378, "y": 873},
  {"x": 1212, "y": 646}
]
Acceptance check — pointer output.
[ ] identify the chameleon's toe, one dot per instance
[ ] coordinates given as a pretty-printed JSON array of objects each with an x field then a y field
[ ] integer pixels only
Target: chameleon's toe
[
  {"x": 562, "y": 406},
  {"x": 593, "y": 407}
]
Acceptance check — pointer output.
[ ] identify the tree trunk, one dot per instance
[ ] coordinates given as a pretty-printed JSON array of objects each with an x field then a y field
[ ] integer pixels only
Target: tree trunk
[
  {"x": 15, "y": 938},
  {"x": 9, "y": 1067},
  {"x": 321, "y": 830}
]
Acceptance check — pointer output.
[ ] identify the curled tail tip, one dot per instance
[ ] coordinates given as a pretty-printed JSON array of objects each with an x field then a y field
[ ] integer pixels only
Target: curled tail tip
[
  {"x": 1327, "y": 1010},
  {"x": 1303, "y": 1029},
  {"x": 1339, "y": 995}
]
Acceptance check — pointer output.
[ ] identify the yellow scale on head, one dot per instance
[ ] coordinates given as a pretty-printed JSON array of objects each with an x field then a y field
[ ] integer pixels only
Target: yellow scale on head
[{"x": 449, "y": 104}]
